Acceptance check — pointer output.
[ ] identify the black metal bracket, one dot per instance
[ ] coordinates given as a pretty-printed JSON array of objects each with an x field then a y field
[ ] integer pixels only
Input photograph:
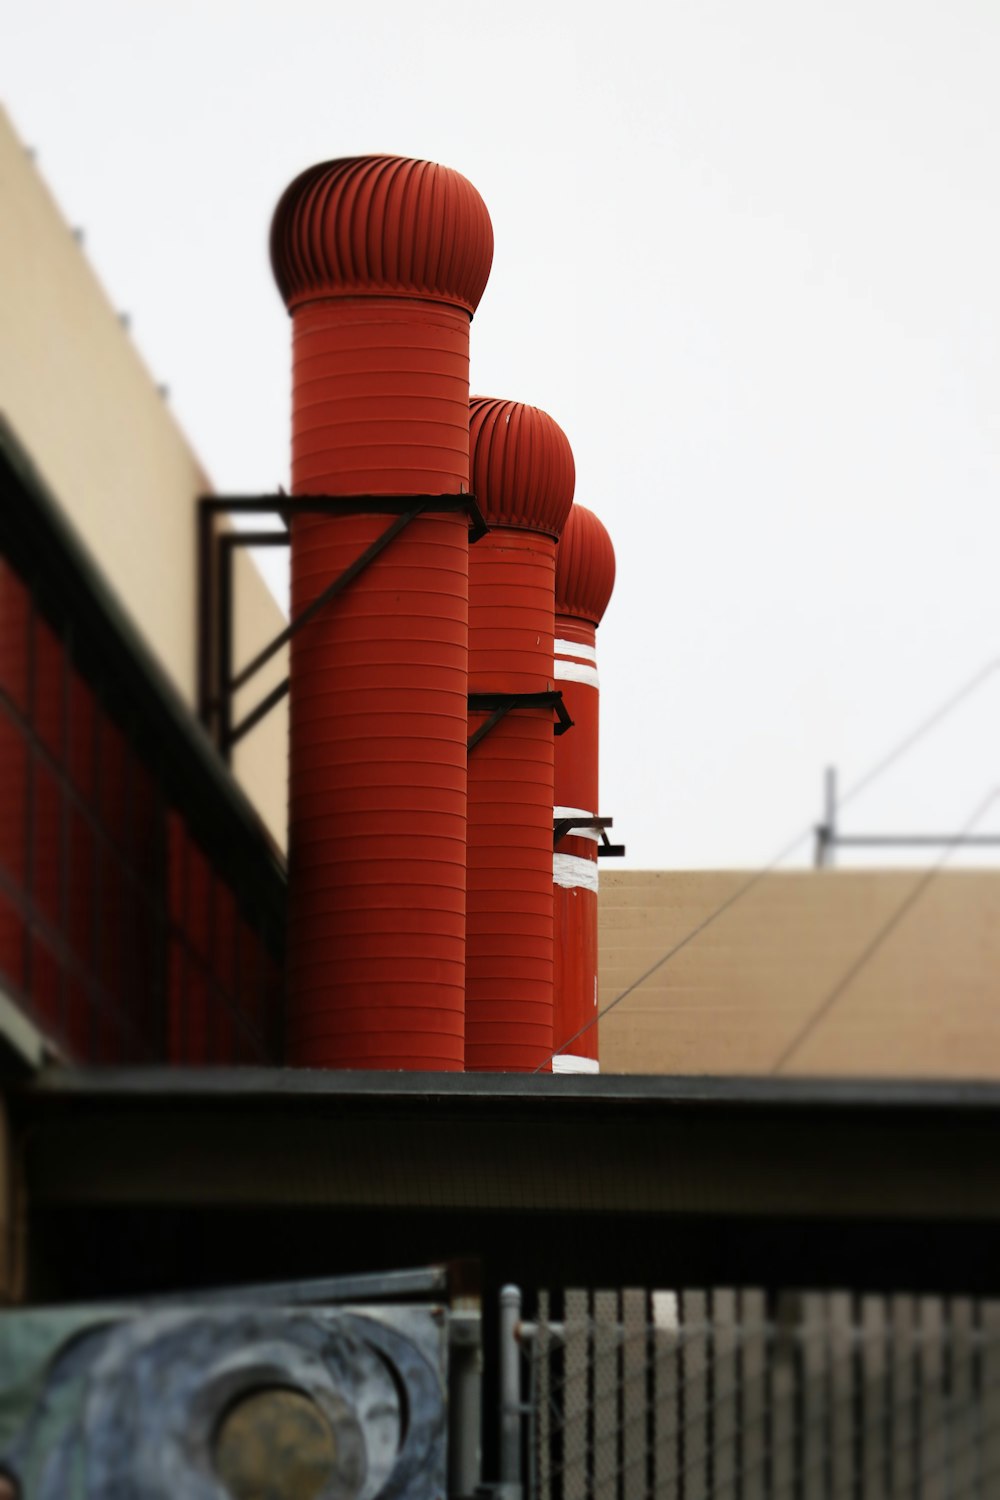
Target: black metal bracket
[
  {"x": 215, "y": 586},
  {"x": 499, "y": 705},
  {"x": 605, "y": 849}
]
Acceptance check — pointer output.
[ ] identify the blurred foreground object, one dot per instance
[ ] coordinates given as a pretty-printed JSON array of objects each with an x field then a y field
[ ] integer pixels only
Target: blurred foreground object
[{"x": 248, "y": 1394}]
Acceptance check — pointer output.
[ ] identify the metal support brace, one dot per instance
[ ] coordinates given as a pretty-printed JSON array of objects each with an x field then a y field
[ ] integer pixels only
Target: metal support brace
[
  {"x": 404, "y": 509},
  {"x": 605, "y": 849},
  {"x": 499, "y": 705}
]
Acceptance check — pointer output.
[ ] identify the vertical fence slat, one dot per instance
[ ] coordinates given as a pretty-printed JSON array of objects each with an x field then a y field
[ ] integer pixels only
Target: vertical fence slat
[
  {"x": 753, "y": 1316},
  {"x": 931, "y": 1471},
  {"x": 781, "y": 1352},
  {"x": 812, "y": 1443},
  {"x": 606, "y": 1351},
  {"x": 635, "y": 1401},
  {"x": 666, "y": 1396},
  {"x": 902, "y": 1430},
  {"x": 840, "y": 1330},
  {"x": 989, "y": 1379},
  {"x": 576, "y": 1400},
  {"x": 725, "y": 1394},
  {"x": 875, "y": 1449},
  {"x": 694, "y": 1345},
  {"x": 960, "y": 1431}
]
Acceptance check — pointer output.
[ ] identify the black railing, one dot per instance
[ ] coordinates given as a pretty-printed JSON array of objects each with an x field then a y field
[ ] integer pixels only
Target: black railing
[{"x": 141, "y": 900}]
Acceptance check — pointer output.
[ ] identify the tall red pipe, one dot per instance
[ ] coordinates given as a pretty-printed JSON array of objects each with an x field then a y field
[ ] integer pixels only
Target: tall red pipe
[
  {"x": 523, "y": 478},
  {"x": 585, "y": 577},
  {"x": 381, "y": 261}
]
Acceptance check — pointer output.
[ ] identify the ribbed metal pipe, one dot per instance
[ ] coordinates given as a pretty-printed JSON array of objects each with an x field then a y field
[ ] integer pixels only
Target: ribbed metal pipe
[
  {"x": 585, "y": 574},
  {"x": 522, "y": 470},
  {"x": 378, "y": 707}
]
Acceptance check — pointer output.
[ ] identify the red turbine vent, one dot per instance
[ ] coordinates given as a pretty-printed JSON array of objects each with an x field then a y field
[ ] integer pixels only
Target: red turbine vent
[
  {"x": 522, "y": 466},
  {"x": 382, "y": 226},
  {"x": 585, "y": 567},
  {"x": 585, "y": 575},
  {"x": 381, "y": 261},
  {"x": 523, "y": 476}
]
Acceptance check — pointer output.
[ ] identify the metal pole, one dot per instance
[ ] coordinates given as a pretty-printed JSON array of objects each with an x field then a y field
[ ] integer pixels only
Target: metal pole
[
  {"x": 510, "y": 1394},
  {"x": 831, "y": 807},
  {"x": 465, "y": 1399},
  {"x": 826, "y": 833},
  {"x": 206, "y": 614},
  {"x": 224, "y": 695}
]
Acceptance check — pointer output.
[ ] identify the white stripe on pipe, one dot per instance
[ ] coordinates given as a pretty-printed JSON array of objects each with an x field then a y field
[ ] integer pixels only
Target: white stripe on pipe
[
  {"x": 567, "y": 1062},
  {"x": 577, "y": 833},
  {"x": 574, "y": 873},
  {"x": 572, "y": 648},
  {"x": 575, "y": 671}
]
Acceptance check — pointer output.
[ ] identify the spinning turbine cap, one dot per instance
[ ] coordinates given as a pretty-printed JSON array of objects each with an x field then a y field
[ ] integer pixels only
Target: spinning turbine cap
[
  {"x": 585, "y": 567},
  {"x": 381, "y": 226},
  {"x": 522, "y": 466}
]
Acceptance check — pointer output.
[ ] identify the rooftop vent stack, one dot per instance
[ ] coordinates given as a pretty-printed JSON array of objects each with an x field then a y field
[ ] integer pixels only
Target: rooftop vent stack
[
  {"x": 381, "y": 262},
  {"x": 523, "y": 478},
  {"x": 585, "y": 577}
]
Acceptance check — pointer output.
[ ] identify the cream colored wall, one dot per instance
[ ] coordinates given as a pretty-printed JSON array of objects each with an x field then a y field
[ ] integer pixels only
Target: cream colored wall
[
  {"x": 261, "y": 759},
  {"x": 83, "y": 404},
  {"x": 927, "y": 1004}
]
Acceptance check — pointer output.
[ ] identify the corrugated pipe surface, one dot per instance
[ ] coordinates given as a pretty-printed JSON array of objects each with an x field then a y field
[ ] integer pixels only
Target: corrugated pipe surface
[
  {"x": 523, "y": 477},
  {"x": 382, "y": 261},
  {"x": 585, "y": 576}
]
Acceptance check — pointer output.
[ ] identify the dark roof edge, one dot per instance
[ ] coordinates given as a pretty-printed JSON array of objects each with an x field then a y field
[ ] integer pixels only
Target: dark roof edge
[{"x": 316, "y": 1087}]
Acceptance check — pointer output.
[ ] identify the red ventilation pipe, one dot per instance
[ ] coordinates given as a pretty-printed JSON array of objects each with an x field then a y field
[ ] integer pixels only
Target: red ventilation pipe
[
  {"x": 523, "y": 478},
  {"x": 585, "y": 576},
  {"x": 381, "y": 262}
]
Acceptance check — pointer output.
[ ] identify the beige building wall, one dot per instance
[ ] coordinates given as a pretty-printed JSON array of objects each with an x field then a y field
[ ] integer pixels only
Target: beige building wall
[
  {"x": 926, "y": 1004},
  {"x": 83, "y": 405},
  {"x": 260, "y": 761}
]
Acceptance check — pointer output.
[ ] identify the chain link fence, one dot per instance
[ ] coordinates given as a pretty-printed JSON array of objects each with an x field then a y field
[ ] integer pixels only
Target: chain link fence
[{"x": 736, "y": 1395}]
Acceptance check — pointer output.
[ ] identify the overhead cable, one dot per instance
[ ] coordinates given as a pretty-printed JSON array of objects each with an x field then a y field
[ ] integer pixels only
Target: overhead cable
[
  {"x": 908, "y": 742},
  {"x": 910, "y": 900}
]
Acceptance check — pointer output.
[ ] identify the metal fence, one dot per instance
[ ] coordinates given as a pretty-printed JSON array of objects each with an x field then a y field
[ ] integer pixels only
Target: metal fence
[{"x": 737, "y": 1395}]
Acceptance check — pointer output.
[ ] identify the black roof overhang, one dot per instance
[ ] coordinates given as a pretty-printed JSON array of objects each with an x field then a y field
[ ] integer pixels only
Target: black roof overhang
[{"x": 607, "y": 1179}]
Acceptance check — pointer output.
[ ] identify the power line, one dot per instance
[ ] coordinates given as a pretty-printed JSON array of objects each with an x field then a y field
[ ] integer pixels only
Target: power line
[
  {"x": 688, "y": 937},
  {"x": 888, "y": 927},
  {"x": 903, "y": 747},
  {"x": 944, "y": 711}
]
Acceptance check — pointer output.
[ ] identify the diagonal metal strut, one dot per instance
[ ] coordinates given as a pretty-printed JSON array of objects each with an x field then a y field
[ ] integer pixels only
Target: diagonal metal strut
[{"x": 499, "y": 706}]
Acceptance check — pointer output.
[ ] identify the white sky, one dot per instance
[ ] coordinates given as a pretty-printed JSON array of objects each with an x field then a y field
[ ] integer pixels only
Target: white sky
[{"x": 748, "y": 256}]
